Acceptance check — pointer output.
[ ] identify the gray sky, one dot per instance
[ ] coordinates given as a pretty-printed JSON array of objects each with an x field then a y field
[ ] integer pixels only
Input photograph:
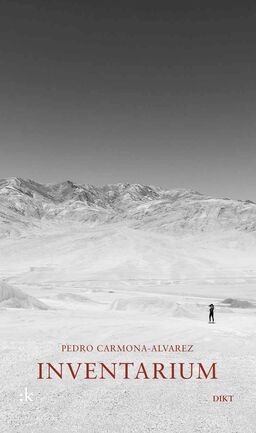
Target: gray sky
[{"x": 159, "y": 94}]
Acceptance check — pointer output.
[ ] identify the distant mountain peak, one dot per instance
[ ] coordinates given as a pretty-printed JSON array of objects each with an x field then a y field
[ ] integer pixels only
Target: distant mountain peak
[{"x": 25, "y": 203}]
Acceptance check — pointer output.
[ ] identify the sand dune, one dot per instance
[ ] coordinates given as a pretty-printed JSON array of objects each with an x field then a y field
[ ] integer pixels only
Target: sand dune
[
  {"x": 11, "y": 297},
  {"x": 158, "y": 305},
  {"x": 238, "y": 303}
]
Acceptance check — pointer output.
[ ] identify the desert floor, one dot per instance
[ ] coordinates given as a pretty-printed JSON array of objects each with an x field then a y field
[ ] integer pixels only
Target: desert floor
[{"x": 129, "y": 312}]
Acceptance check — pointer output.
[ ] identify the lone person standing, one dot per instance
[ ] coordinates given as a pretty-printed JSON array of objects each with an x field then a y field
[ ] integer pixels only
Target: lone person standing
[{"x": 211, "y": 313}]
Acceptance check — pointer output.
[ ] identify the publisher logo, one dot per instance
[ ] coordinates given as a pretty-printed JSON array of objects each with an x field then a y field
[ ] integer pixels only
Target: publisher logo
[{"x": 26, "y": 396}]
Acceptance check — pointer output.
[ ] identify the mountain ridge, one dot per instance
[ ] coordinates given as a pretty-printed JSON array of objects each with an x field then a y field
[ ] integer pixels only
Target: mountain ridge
[{"x": 26, "y": 203}]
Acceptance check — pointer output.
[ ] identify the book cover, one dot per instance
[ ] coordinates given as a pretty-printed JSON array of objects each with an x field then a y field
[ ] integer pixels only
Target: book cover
[{"x": 127, "y": 217}]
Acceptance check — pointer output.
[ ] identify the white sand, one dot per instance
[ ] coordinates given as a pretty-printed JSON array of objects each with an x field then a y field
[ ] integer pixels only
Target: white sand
[{"x": 128, "y": 287}]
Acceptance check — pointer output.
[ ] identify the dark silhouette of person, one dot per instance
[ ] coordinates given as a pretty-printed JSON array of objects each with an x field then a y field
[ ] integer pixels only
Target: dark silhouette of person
[{"x": 211, "y": 313}]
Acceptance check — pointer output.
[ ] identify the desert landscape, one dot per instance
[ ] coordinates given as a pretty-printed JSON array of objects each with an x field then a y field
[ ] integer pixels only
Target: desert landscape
[{"x": 125, "y": 264}]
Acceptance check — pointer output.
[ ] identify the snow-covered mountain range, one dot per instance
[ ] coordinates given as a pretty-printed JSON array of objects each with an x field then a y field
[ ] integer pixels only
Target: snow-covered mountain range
[{"x": 25, "y": 204}]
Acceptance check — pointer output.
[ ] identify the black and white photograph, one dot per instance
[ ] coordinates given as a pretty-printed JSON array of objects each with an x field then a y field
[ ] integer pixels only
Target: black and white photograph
[{"x": 127, "y": 216}]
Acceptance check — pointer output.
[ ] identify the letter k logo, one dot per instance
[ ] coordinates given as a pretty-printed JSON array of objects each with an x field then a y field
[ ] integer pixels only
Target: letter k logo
[{"x": 27, "y": 396}]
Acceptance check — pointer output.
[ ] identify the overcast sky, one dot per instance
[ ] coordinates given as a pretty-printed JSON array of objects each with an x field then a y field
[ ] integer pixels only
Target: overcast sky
[{"x": 152, "y": 92}]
